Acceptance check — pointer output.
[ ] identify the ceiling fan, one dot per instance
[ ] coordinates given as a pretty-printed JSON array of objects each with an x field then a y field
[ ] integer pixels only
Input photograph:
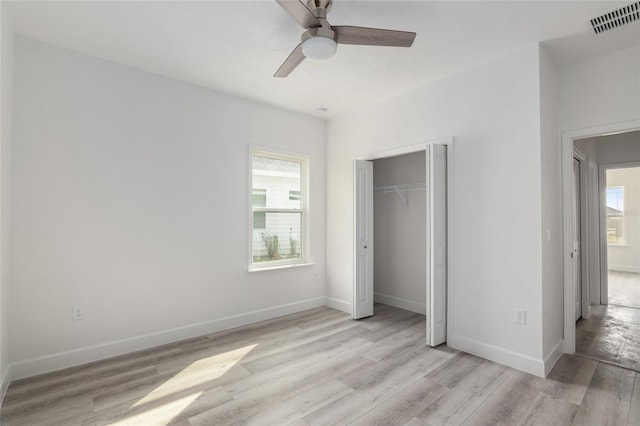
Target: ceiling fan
[{"x": 320, "y": 39}]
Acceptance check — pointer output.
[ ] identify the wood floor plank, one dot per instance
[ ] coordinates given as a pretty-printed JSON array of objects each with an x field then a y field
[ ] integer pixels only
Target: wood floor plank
[
  {"x": 406, "y": 367},
  {"x": 459, "y": 402},
  {"x": 169, "y": 410},
  {"x": 339, "y": 360},
  {"x": 161, "y": 388},
  {"x": 62, "y": 412},
  {"x": 77, "y": 377},
  {"x": 327, "y": 343},
  {"x": 509, "y": 403},
  {"x": 343, "y": 410},
  {"x": 253, "y": 396},
  {"x": 320, "y": 367},
  {"x": 403, "y": 406},
  {"x": 40, "y": 401},
  {"x": 549, "y": 411},
  {"x": 608, "y": 398},
  {"x": 575, "y": 373},
  {"x": 389, "y": 346},
  {"x": 634, "y": 406},
  {"x": 455, "y": 369},
  {"x": 301, "y": 404}
]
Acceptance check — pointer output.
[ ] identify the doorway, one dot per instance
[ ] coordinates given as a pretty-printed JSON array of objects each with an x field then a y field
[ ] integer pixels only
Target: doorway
[
  {"x": 596, "y": 280},
  {"x": 399, "y": 230},
  {"x": 612, "y": 332},
  {"x": 401, "y": 208}
]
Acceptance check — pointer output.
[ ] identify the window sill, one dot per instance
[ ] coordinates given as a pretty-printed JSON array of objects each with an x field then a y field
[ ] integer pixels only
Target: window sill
[
  {"x": 618, "y": 244},
  {"x": 280, "y": 267}
]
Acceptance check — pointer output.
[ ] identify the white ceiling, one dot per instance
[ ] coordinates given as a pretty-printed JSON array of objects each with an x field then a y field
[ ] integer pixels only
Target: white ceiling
[{"x": 236, "y": 46}]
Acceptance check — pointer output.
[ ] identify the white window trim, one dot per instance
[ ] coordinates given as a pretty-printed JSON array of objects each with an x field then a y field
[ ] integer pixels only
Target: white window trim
[{"x": 304, "y": 259}]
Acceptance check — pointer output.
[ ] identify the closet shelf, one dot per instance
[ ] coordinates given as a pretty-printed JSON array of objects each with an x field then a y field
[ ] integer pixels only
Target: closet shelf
[
  {"x": 399, "y": 189},
  {"x": 404, "y": 187}
]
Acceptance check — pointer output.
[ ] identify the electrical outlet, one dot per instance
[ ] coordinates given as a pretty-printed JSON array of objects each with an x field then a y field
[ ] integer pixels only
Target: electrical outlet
[
  {"x": 520, "y": 316},
  {"x": 76, "y": 314},
  {"x": 315, "y": 277}
]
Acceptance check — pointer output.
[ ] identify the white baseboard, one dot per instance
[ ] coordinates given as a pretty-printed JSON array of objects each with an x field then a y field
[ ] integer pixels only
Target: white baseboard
[
  {"x": 553, "y": 357},
  {"x": 57, "y": 361},
  {"x": 4, "y": 383},
  {"x": 497, "y": 354},
  {"x": 407, "y": 305},
  {"x": 338, "y": 304},
  {"x": 624, "y": 268}
]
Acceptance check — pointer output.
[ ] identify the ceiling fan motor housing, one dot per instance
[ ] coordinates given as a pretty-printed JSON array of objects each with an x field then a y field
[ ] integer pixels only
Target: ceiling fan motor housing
[{"x": 319, "y": 5}]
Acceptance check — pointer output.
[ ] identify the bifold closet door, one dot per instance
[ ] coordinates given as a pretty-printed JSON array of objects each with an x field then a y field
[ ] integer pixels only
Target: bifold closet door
[
  {"x": 436, "y": 175},
  {"x": 363, "y": 207}
]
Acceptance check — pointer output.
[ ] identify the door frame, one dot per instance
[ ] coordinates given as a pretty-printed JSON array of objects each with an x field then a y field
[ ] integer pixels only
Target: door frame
[
  {"x": 567, "y": 139},
  {"x": 408, "y": 149}
]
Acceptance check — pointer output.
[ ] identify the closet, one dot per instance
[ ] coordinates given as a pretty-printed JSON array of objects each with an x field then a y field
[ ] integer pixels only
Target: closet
[
  {"x": 400, "y": 241},
  {"x": 399, "y": 230}
]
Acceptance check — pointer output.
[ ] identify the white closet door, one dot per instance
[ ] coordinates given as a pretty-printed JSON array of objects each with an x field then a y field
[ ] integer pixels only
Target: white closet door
[
  {"x": 577, "y": 214},
  {"x": 363, "y": 273},
  {"x": 436, "y": 244}
]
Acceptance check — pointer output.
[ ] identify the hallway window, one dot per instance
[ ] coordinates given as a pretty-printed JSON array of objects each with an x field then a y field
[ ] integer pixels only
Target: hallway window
[{"x": 615, "y": 215}]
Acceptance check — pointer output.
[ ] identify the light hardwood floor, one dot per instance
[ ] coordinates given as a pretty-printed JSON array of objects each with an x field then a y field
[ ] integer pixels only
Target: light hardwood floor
[{"x": 319, "y": 367}]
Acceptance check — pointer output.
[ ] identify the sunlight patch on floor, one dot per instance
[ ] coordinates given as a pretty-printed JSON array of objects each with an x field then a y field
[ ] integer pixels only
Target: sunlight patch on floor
[
  {"x": 160, "y": 415},
  {"x": 201, "y": 371}
]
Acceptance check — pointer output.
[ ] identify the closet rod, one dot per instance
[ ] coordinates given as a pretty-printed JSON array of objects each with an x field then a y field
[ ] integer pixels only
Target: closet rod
[{"x": 397, "y": 188}]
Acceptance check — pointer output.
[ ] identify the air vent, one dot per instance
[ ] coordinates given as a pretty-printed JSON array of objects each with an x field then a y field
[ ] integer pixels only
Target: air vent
[{"x": 617, "y": 18}]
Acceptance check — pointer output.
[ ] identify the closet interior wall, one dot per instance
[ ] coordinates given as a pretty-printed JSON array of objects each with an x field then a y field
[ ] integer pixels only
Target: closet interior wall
[{"x": 399, "y": 205}]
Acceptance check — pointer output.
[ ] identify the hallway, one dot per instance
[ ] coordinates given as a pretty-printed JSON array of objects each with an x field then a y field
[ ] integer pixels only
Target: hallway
[
  {"x": 624, "y": 289},
  {"x": 612, "y": 334}
]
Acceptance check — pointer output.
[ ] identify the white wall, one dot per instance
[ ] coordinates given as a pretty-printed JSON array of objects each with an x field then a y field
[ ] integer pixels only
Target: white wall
[
  {"x": 600, "y": 91},
  {"x": 551, "y": 235},
  {"x": 130, "y": 200},
  {"x": 6, "y": 97},
  {"x": 626, "y": 257},
  {"x": 400, "y": 231},
  {"x": 493, "y": 113}
]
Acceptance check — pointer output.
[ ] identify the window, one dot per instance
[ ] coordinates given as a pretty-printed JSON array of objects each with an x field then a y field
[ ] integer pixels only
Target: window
[
  {"x": 259, "y": 197},
  {"x": 615, "y": 215},
  {"x": 294, "y": 195},
  {"x": 278, "y": 209},
  {"x": 259, "y": 220}
]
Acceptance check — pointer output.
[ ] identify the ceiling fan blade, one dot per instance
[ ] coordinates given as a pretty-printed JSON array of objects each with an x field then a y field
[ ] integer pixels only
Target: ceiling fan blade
[
  {"x": 373, "y": 36},
  {"x": 293, "y": 60},
  {"x": 300, "y": 13}
]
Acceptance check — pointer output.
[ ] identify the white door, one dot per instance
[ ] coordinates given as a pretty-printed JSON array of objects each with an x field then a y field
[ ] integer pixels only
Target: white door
[
  {"x": 363, "y": 268},
  {"x": 436, "y": 244},
  {"x": 577, "y": 269}
]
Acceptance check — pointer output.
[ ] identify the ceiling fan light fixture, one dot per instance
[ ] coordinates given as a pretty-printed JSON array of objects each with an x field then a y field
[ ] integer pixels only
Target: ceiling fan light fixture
[{"x": 319, "y": 48}]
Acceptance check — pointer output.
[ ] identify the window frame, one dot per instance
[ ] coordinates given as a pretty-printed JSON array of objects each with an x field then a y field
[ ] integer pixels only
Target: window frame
[
  {"x": 623, "y": 217},
  {"x": 303, "y": 260}
]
